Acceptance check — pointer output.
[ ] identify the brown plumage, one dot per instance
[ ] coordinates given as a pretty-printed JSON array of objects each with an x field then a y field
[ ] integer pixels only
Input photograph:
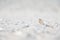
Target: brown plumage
[{"x": 41, "y": 21}]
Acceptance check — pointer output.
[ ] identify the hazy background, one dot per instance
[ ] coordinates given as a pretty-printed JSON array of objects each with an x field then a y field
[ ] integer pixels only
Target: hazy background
[{"x": 46, "y": 9}]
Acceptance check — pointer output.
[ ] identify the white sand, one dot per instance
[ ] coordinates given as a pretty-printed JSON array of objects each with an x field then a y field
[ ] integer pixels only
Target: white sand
[{"x": 30, "y": 11}]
